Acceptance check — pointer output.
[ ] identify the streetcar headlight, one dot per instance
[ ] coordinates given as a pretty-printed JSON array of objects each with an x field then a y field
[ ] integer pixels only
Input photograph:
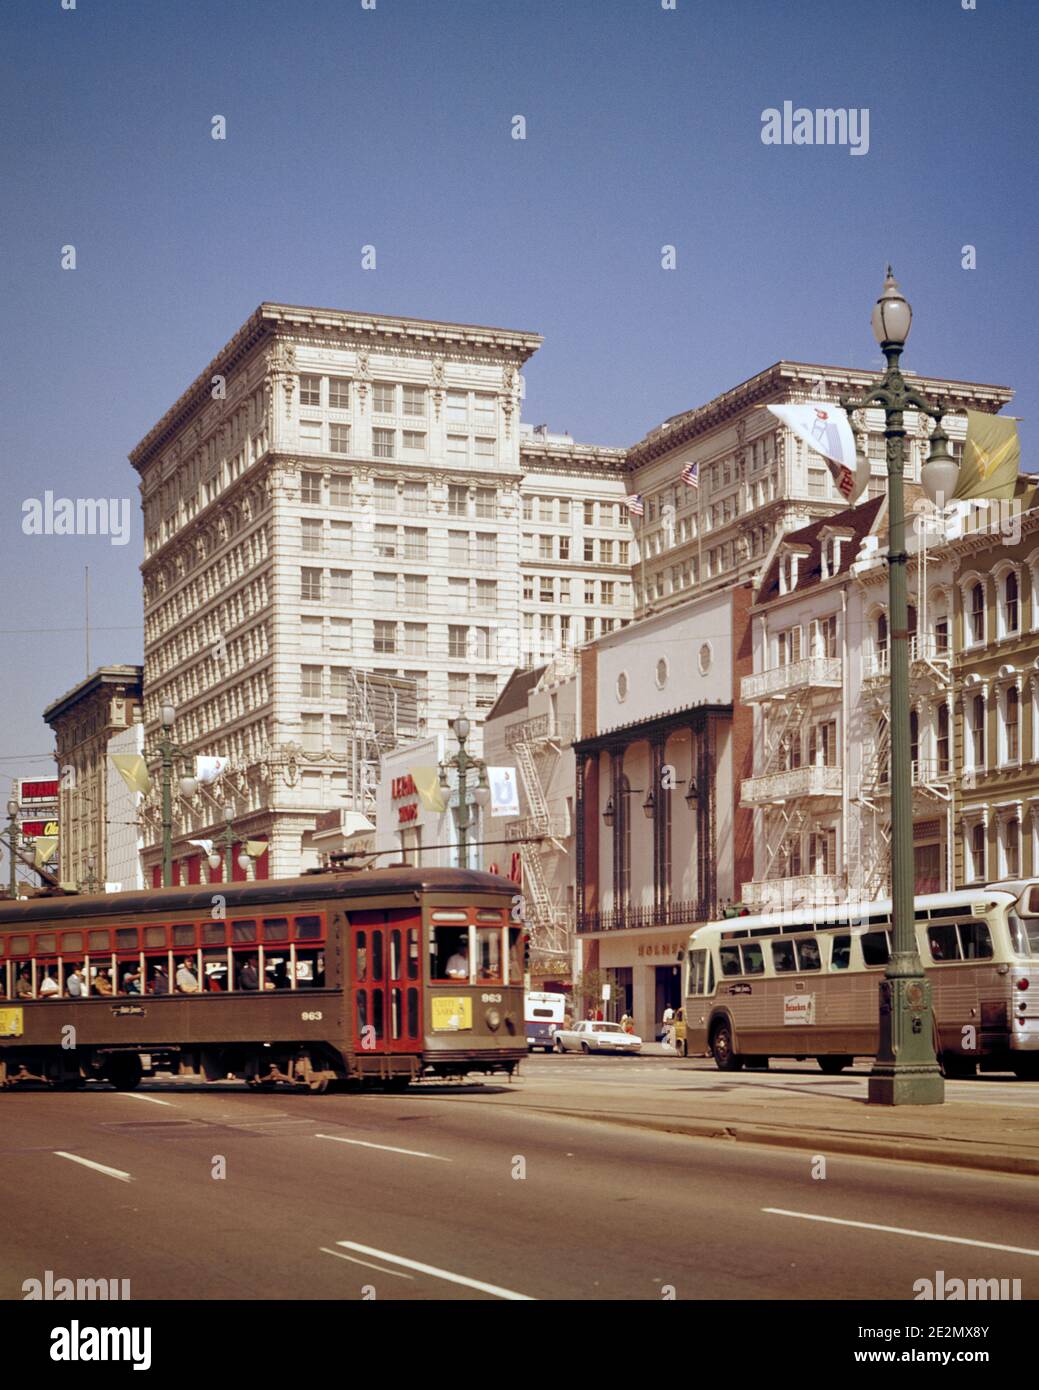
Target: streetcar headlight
[{"x": 493, "y": 1018}]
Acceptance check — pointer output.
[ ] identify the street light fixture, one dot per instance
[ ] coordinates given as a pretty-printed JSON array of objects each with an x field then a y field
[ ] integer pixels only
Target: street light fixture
[
  {"x": 906, "y": 1070},
  {"x": 609, "y": 814},
  {"x": 12, "y": 843},
  {"x": 168, "y": 751},
  {"x": 463, "y": 764}
]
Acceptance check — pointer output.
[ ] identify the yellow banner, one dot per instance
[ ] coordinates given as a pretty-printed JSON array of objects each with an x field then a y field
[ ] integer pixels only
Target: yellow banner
[
  {"x": 254, "y": 848},
  {"x": 450, "y": 1014},
  {"x": 427, "y": 784},
  {"x": 10, "y": 1023},
  {"x": 132, "y": 768},
  {"x": 43, "y": 849},
  {"x": 991, "y": 457}
]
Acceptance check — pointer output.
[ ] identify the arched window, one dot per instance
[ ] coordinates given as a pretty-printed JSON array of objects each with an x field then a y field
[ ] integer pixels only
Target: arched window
[
  {"x": 882, "y": 639},
  {"x": 943, "y": 740},
  {"x": 1012, "y": 723},
  {"x": 1011, "y": 606},
  {"x": 977, "y": 613},
  {"x": 977, "y": 730},
  {"x": 914, "y": 740}
]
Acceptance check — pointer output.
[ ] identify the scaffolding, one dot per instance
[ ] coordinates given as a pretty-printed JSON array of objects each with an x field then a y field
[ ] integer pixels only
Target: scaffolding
[{"x": 383, "y": 713}]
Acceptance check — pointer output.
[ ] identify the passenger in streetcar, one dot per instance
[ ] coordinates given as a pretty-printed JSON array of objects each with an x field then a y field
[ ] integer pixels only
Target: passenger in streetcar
[
  {"x": 49, "y": 986},
  {"x": 131, "y": 981},
  {"x": 102, "y": 982},
  {"x": 187, "y": 981},
  {"x": 75, "y": 985},
  {"x": 23, "y": 985},
  {"x": 458, "y": 963},
  {"x": 249, "y": 978},
  {"x": 160, "y": 981}
]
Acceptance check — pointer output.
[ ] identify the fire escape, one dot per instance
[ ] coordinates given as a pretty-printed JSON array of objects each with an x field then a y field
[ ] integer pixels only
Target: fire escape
[
  {"x": 537, "y": 745},
  {"x": 788, "y": 785}
]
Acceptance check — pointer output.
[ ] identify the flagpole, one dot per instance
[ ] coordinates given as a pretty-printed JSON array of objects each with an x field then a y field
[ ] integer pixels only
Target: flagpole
[{"x": 642, "y": 560}]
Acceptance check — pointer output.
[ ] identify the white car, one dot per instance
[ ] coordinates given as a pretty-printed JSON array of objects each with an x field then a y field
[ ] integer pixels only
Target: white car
[{"x": 588, "y": 1036}]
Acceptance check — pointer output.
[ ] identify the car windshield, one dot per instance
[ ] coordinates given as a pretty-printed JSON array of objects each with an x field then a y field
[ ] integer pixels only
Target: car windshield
[{"x": 608, "y": 1028}]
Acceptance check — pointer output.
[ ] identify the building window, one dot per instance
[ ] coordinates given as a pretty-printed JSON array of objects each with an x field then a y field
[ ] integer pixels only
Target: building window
[
  {"x": 589, "y": 629},
  {"x": 310, "y": 631},
  {"x": 546, "y": 591},
  {"x": 338, "y": 491},
  {"x": 457, "y": 688},
  {"x": 457, "y": 500},
  {"x": 486, "y": 691},
  {"x": 788, "y": 646},
  {"x": 457, "y": 407},
  {"x": 338, "y": 439},
  {"x": 416, "y": 591},
  {"x": 456, "y": 641},
  {"x": 977, "y": 851},
  {"x": 416, "y": 543},
  {"x": 1011, "y": 847},
  {"x": 528, "y": 588},
  {"x": 822, "y": 852},
  {"x": 607, "y": 593},
  {"x": 341, "y": 733},
  {"x": 1012, "y": 716},
  {"x": 313, "y": 727},
  {"x": 382, "y": 444},
  {"x": 340, "y": 634},
  {"x": 589, "y": 551},
  {"x": 943, "y": 740},
  {"x": 415, "y": 639},
  {"x": 310, "y": 390},
  {"x": 822, "y": 744},
  {"x": 486, "y": 503},
  {"x": 486, "y": 549},
  {"x": 457, "y": 448},
  {"x": 338, "y": 393},
  {"x": 484, "y": 449},
  {"x": 341, "y": 586},
  {"x": 340, "y": 537},
  {"x": 824, "y": 636},
  {"x": 564, "y": 590},
  {"x": 482, "y": 644},
  {"x": 310, "y": 487},
  {"x": 565, "y": 640},
  {"x": 1011, "y": 607},
  {"x": 414, "y": 443},
  {"x": 914, "y": 741},
  {"x": 881, "y": 641},
  {"x": 977, "y": 731},
  {"x": 310, "y": 539},
  {"x": 384, "y": 398},
  {"x": 385, "y": 495},
  {"x": 544, "y": 547},
  {"x": 310, "y": 585},
  {"x": 385, "y": 588},
  {"x": 310, "y": 682},
  {"x": 339, "y": 687},
  {"x": 415, "y": 401},
  {"x": 457, "y": 595},
  {"x": 487, "y": 593},
  {"x": 386, "y": 638},
  {"x": 386, "y": 542},
  {"x": 589, "y": 513},
  {"x": 416, "y": 499},
  {"x": 310, "y": 434},
  {"x": 589, "y": 591},
  {"x": 977, "y": 613},
  {"x": 458, "y": 547}
]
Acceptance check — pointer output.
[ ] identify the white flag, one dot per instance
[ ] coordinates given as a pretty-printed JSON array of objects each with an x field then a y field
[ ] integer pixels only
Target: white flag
[
  {"x": 504, "y": 792},
  {"x": 207, "y": 770},
  {"x": 826, "y": 429}
]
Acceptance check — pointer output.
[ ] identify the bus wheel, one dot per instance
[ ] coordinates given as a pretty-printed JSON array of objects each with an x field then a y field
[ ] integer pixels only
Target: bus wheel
[
  {"x": 831, "y": 1066},
  {"x": 124, "y": 1070},
  {"x": 725, "y": 1059}
]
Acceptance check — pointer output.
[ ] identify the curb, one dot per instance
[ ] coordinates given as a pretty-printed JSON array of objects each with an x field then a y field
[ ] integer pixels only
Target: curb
[{"x": 819, "y": 1141}]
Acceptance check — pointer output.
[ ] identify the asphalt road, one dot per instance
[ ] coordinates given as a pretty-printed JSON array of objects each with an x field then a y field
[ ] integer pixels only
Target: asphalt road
[{"x": 443, "y": 1194}]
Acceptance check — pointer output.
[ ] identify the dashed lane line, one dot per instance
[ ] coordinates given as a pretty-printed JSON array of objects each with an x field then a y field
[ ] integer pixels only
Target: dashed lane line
[
  {"x": 902, "y": 1231},
  {"x": 386, "y": 1148},
  {"x": 495, "y": 1289},
  {"x": 98, "y": 1167}
]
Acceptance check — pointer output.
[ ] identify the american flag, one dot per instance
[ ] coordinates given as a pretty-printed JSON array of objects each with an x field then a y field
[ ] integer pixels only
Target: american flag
[
  {"x": 691, "y": 474},
  {"x": 635, "y": 504}
]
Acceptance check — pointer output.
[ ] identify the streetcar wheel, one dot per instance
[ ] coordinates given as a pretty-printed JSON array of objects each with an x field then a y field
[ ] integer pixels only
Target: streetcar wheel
[
  {"x": 725, "y": 1059},
  {"x": 831, "y": 1066},
  {"x": 123, "y": 1070}
]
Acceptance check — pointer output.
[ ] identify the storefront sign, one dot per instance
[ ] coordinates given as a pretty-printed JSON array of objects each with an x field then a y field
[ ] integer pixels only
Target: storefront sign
[
  {"x": 33, "y": 790},
  {"x": 39, "y": 829}
]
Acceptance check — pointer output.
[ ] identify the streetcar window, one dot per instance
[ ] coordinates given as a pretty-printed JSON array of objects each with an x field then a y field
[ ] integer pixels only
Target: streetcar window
[
  {"x": 442, "y": 915},
  {"x": 307, "y": 928},
  {"x": 246, "y": 970},
  {"x": 214, "y": 933},
  {"x": 157, "y": 974},
  {"x": 72, "y": 941},
  {"x": 517, "y": 964},
  {"x": 841, "y": 958},
  {"x": 99, "y": 941},
  {"x": 808, "y": 954},
  {"x": 184, "y": 934},
  {"x": 126, "y": 938},
  {"x": 875, "y": 948},
  {"x": 412, "y": 1013},
  {"x": 413, "y": 953},
  {"x": 450, "y": 954},
  {"x": 360, "y": 958},
  {"x": 943, "y": 943},
  {"x": 485, "y": 914},
  {"x": 395, "y": 959},
  {"x": 19, "y": 945},
  {"x": 753, "y": 960},
  {"x": 243, "y": 931},
  {"x": 376, "y": 955},
  {"x": 155, "y": 936},
  {"x": 377, "y": 1019},
  {"x": 975, "y": 941},
  {"x": 276, "y": 969},
  {"x": 362, "y": 1015},
  {"x": 729, "y": 957},
  {"x": 783, "y": 957},
  {"x": 100, "y": 979},
  {"x": 310, "y": 969},
  {"x": 128, "y": 976},
  {"x": 488, "y": 954},
  {"x": 275, "y": 929},
  {"x": 47, "y": 943},
  {"x": 214, "y": 971},
  {"x": 395, "y": 1013}
]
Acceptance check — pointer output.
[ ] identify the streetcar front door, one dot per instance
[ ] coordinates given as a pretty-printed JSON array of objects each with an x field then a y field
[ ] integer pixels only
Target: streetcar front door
[{"x": 385, "y": 980}]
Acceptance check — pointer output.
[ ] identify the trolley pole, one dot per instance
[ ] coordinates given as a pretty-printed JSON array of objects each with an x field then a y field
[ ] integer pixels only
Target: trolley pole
[
  {"x": 463, "y": 764},
  {"x": 906, "y": 1069}
]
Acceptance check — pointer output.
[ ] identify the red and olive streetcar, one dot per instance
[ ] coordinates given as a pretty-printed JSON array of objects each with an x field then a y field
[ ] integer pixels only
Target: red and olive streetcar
[{"x": 378, "y": 975}]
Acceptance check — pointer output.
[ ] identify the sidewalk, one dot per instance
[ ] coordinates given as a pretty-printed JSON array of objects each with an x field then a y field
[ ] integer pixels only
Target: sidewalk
[{"x": 962, "y": 1134}]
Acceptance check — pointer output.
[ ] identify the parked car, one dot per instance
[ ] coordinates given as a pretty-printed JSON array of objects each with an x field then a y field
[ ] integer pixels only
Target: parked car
[{"x": 590, "y": 1036}]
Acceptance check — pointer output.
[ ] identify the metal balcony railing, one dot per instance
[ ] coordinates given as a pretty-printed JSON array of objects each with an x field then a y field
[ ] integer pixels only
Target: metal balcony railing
[
  {"x": 673, "y": 914},
  {"x": 812, "y": 780},
  {"x": 814, "y": 672},
  {"x": 542, "y": 729}
]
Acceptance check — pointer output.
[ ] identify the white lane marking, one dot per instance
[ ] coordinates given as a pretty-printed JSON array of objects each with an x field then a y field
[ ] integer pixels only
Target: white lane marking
[
  {"x": 133, "y": 1095},
  {"x": 98, "y": 1167},
  {"x": 386, "y": 1148},
  {"x": 397, "y": 1273},
  {"x": 438, "y": 1273},
  {"x": 903, "y": 1231}
]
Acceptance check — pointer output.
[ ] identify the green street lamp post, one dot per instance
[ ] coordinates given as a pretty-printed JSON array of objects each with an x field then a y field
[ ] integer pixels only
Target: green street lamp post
[
  {"x": 12, "y": 842},
  {"x": 227, "y": 838},
  {"x": 463, "y": 764},
  {"x": 90, "y": 883},
  {"x": 168, "y": 752},
  {"x": 906, "y": 1070}
]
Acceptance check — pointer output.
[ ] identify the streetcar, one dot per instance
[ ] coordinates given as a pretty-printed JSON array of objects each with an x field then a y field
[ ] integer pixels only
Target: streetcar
[
  {"x": 543, "y": 1013},
  {"x": 381, "y": 976},
  {"x": 805, "y": 983}
]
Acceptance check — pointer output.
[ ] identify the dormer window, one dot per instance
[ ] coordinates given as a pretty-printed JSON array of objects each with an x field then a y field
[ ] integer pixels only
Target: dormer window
[
  {"x": 832, "y": 541},
  {"x": 788, "y": 567}
]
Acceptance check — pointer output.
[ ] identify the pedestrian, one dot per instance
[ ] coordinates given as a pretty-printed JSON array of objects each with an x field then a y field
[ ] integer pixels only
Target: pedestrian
[{"x": 628, "y": 1023}]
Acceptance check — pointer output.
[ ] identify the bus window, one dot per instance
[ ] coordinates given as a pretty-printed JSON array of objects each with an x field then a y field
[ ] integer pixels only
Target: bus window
[
  {"x": 450, "y": 954},
  {"x": 875, "y": 948},
  {"x": 488, "y": 954},
  {"x": 841, "y": 958},
  {"x": 753, "y": 960},
  {"x": 698, "y": 972},
  {"x": 783, "y": 957},
  {"x": 729, "y": 956},
  {"x": 808, "y": 954},
  {"x": 943, "y": 943},
  {"x": 1024, "y": 935},
  {"x": 975, "y": 941}
]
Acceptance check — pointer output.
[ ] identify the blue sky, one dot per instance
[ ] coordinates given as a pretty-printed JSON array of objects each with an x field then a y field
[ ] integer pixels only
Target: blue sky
[{"x": 392, "y": 127}]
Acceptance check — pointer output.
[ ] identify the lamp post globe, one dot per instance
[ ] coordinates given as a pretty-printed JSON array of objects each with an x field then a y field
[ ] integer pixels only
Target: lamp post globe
[
  {"x": 940, "y": 471},
  {"x": 892, "y": 314},
  {"x": 482, "y": 795},
  {"x": 168, "y": 716},
  {"x": 461, "y": 727}
]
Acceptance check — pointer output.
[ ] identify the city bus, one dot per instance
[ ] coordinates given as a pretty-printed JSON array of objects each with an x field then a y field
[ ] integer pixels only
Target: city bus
[
  {"x": 543, "y": 1013},
  {"x": 379, "y": 976},
  {"x": 805, "y": 983}
]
